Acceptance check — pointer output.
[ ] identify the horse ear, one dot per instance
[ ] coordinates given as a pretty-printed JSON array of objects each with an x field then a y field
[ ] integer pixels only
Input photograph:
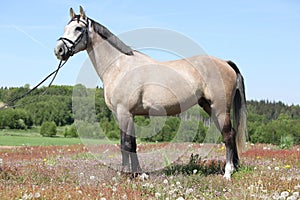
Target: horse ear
[
  {"x": 82, "y": 13},
  {"x": 72, "y": 14}
]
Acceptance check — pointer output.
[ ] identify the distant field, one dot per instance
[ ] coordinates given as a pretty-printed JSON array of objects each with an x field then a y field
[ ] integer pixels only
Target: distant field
[
  {"x": 36, "y": 141},
  {"x": 33, "y": 138}
]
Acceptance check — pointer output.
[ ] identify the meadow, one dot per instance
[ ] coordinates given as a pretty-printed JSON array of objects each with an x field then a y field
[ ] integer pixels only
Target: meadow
[{"x": 72, "y": 172}]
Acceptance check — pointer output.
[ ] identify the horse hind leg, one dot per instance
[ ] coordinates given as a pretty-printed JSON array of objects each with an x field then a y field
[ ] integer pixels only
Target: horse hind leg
[{"x": 229, "y": 134}]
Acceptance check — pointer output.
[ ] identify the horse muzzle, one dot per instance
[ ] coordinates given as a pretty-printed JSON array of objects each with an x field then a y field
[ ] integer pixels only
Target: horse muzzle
[{"x": 62, "y": 51}]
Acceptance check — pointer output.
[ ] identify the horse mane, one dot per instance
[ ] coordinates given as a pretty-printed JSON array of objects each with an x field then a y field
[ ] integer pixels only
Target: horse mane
[{"x": 111, "y": 38}]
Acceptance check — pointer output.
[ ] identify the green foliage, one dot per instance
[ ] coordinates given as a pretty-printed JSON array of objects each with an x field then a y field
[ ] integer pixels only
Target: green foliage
[
  {"x": 15, "y": 119},
  {"x": 286, "y": 142},
  {"x": 196, "y": 166},
  {"x": 268, "y": 122},
  {"x": 71, "y": 131},
  {"x": 48, "y": 129}
]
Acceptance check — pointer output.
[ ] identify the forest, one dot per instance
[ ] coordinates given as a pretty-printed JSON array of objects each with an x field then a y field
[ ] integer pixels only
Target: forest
[{"x": 84, "y": 113}]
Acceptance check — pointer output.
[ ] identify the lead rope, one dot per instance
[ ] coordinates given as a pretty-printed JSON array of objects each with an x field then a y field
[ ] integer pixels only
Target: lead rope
[{"x": 6, "y": 105}]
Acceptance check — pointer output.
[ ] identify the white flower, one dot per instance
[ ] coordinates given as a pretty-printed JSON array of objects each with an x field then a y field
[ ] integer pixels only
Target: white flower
[
  {"x": 189, "y": 191},
  {"x": 276, "y": 168},
  {"x": 146, "y": 185},
  {"x": 144, "y": 176},
  {"x": 37, "y": 195},
  {"x": 124, "y": 196},
  {"x": 114, "y": 189},
  {"x": 114, "y": 179},
  {"x": 178, "y": 183},
  {"x": 165, "y": 181},
  {"x": 180, "y": 198},
  {"x": 92, "y": 177},
  {"x": 296, "y": 194},
  {"x": 1, "y": 161},
  {"x": 284, "y": 194},
  {"x": 195, "y": 171},
  {"x": 103, "y": 198},
  {"x": 157, "y": 195}
]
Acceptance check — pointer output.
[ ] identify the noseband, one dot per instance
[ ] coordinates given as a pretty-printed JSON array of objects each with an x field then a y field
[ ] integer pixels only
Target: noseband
[{"x": 71, "y": 49}]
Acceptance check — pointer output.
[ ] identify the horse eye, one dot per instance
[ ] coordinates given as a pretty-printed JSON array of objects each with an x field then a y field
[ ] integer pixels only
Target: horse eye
[{"x": 78, "y": 28}]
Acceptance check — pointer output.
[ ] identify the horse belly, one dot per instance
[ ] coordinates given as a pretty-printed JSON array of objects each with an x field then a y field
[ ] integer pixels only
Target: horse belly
[{"x": 161, "y": 101}]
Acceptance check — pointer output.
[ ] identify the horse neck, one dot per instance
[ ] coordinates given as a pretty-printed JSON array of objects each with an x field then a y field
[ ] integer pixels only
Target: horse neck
[{"x": 102, "y": 55}]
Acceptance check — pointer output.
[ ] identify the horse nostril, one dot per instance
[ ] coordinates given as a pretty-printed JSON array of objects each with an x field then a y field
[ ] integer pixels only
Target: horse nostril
[{"x": 61, "y": 51}]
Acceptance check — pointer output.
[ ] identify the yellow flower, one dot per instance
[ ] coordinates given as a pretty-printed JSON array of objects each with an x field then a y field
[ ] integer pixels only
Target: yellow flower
[
  {"x": 45, "y": 160},
  {"x": 287, "y": 166},
  {"x": 257, "y": 157}
]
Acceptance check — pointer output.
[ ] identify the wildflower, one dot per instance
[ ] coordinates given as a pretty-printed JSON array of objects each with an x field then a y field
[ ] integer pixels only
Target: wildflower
[
  {"x": 269, "y": 168},
  {"x": 284, "y": 194},
  {"x": 114, "y": 179},
  {"x": 258, "y": 157},
  {"x": 45, "y": 160},
  {"x": 103, "y": 198},
  {"x": 297, "y": 187},
  {"x": 165, "y": 181},
  {"x": 178, "y": 183},
  {"x": 114, "y": 189},
  {"x": 180, "y": 198},
  {"x": 157, "y": 195},
  {"x": 27, "y": 196},
  {"x": 144, "y": 176},
  {"x": 291, "y": 198},
  {"x": 1, "y": 161},
  {"x": 276, "y": 168},
  {"x": 37, "y": 195},
  {"x": 146, "y": 185},
  {"x": 296, "y": 194},
  {"x": 189, "y": 191},
  {"x": 287, "y": 166},
  {"x": 124, "y": 196},
  {"x": 92, "y": 177},
  {"x": 195, "y": 171},
  {"x": 260, "y": 182}
]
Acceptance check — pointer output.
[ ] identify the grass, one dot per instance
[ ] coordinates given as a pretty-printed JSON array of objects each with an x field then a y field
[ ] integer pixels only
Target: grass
[
  {"x": 32, "y": 137},
  {"x": 36, "y": 141},
  {"x": 71, "y": 172}
]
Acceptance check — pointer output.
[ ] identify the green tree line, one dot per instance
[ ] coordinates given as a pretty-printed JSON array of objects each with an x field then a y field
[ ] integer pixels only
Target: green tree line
[{"x": 85, "y": 109}]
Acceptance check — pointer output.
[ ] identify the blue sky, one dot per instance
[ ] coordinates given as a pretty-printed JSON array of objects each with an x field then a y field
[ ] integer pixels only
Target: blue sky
[{"x": 261, "y": 37}]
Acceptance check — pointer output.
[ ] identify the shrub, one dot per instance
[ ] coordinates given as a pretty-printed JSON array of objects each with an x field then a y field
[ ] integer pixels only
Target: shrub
[
  {"x": 71, "y": 132},
  {"x": 48, "y": 129},
  {"x": 286, "y": 142}
]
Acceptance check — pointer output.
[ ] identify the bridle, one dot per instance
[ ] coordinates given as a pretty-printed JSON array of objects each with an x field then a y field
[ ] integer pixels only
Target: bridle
[
  {"x": 84, "y": 32},
  {"x": 71, "y": 52}
]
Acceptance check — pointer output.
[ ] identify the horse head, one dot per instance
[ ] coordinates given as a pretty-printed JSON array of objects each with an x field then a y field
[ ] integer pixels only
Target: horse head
[{"x": 75, "y": 37}]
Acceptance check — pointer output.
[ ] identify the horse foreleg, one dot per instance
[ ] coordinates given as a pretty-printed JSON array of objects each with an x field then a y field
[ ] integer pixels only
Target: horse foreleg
[
  {"x": 128, "y": 145},
  {"x": 232, "y": 159}
]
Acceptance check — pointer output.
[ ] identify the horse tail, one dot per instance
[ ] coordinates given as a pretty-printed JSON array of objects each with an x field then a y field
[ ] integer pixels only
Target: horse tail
[{"x": 239, "y": 110}]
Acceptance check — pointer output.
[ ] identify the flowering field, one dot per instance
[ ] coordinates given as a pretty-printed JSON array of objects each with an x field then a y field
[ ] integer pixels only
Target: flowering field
[{"x": 72, "y": 172}]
